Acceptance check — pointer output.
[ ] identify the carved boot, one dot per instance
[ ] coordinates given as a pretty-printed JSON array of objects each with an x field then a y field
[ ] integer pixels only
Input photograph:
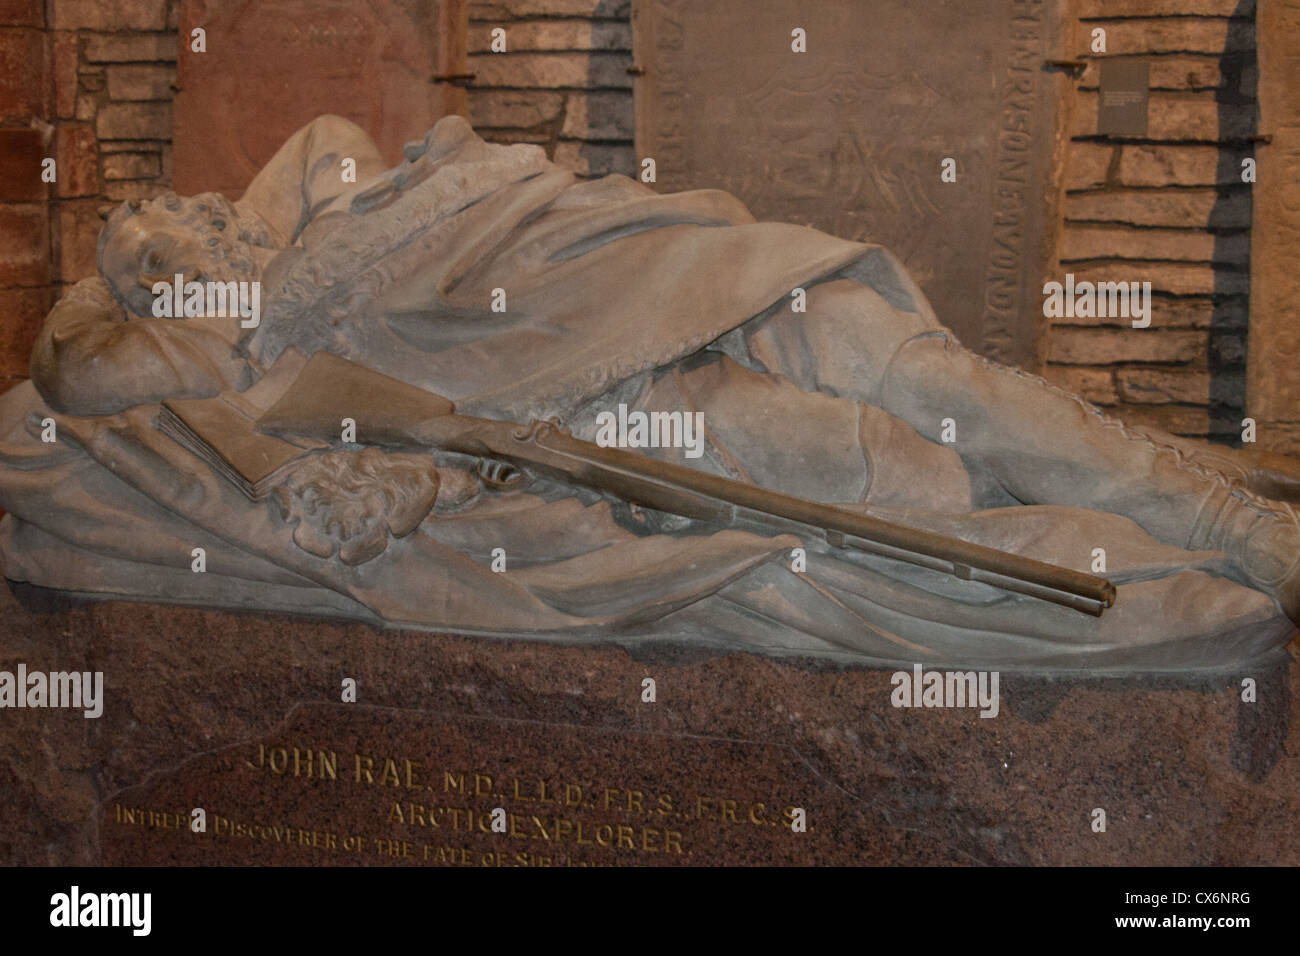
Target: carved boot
[
  {"x": 1261, "y": 539},
  {"x": 1047, "y": 446}
]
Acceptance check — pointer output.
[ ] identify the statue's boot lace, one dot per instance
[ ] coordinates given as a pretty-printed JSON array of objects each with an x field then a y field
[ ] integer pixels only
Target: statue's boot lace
[
  {"x": 1264, "y": 473},
  {"x": 1046, "y": 446},
  {"x": 1261, "y": 538}
]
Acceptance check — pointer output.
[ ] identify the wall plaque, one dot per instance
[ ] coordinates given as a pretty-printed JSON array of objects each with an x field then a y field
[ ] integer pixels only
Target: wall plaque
[
  {"x": 851, "y": 136},
  {"x": 271, "y": 68}
]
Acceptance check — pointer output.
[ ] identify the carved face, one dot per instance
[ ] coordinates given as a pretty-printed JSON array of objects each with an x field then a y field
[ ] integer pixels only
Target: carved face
[{"x": 200, "y": 238}]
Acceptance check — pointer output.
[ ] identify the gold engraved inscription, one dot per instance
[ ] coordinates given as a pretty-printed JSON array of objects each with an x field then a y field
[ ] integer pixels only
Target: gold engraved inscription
[{"x": 423, "y": 814}]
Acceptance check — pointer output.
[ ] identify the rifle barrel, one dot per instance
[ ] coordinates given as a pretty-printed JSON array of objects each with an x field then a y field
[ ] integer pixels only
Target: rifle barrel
[{"x": 680, "y": 490}]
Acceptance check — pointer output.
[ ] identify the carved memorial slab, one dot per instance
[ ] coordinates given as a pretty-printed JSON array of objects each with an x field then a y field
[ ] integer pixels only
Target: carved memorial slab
[
  {"x": 281, "y": 65},
  {"x": 850, "y": 136}
]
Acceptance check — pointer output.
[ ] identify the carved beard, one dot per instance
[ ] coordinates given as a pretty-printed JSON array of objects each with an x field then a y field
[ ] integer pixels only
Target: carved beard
[{"x": 254, "y": 232}]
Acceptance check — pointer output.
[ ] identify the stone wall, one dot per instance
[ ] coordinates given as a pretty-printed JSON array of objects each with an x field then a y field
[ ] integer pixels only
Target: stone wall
[
  {"x": 1170, "y": 208},
  {"x": 25, "y": 138},
  {"x": 563, "y": 81},
  {"x": 88, "y": 83}
]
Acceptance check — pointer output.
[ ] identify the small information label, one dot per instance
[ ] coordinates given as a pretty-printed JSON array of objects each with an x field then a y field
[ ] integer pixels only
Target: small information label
[{"x": 1123, "y": 107}]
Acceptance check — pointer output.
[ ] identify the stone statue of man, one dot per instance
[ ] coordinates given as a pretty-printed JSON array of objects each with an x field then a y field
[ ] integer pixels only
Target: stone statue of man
[{"x": 490, "y": 276}]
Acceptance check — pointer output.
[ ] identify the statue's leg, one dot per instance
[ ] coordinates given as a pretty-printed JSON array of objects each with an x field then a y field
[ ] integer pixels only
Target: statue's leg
[{"x": 1043, "y": 444}]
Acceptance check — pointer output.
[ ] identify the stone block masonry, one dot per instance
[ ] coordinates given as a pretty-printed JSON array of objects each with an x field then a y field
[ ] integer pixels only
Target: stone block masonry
[
  {"x": 87, "y": 83},
  {"x": 563, "y": 82},
  {"x": 1170, "y": 208},
  {"x": 26, "y": 138}
]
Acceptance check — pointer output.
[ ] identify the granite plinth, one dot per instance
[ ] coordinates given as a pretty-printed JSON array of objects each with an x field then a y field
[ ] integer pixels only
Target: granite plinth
[{"x": 218, "y": 710}]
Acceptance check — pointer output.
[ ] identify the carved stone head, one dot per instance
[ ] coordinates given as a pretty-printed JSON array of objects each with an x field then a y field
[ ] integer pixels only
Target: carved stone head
[{"x": 201, "y": 238}]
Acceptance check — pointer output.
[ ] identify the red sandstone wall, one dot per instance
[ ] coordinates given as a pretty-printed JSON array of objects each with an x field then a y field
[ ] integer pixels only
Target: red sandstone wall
[
  {"x": 88, "y": 83},
  {"x": 1170, "y": 208},
  {"x": 565, "y": 83}
]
